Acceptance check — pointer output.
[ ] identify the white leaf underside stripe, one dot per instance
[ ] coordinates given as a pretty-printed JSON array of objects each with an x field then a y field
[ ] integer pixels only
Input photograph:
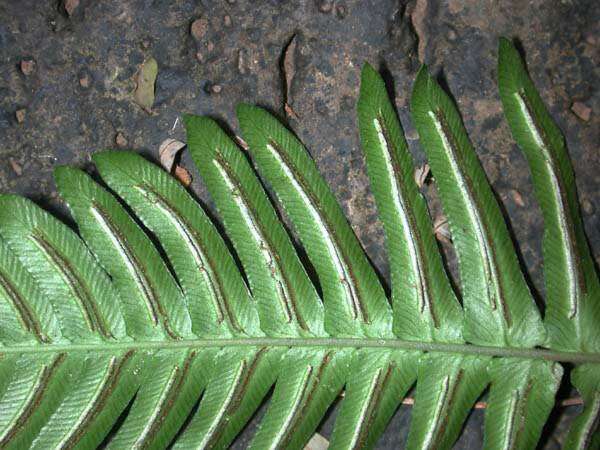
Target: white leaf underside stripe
[
  {"x": 201, "y": 261},
  {"x": 284, "y": 296},
  {"x": 437, "y": 413},
  {"x": 567, "y": 233},
  {"x": 74, "y": 285},
  {"x": 111, "y": 370},
  {"x": 130, "y": 262},
  {"x": 354, "y": 305},
  {"x": 492, "y": 279},
  {"x": 593, "y": 421},
  {"x": 24, "y": 314},
  {"x": 509, "y": 435},
  {"x": 291, "y": 414},
  {"x": 408, "y": 227},
  {"x": 231, "y": 394},
  {"x": 367, "y": 404}
]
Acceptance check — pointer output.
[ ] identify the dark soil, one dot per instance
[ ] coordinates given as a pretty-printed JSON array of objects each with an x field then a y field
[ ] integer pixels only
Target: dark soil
[{"x": 77, "y": 95}]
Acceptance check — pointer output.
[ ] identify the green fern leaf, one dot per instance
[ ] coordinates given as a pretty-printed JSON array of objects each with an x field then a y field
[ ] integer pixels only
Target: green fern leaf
[{"x": 151, "y": 329}]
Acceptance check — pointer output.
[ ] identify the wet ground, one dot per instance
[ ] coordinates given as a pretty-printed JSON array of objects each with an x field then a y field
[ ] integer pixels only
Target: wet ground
[{"x": 74, "y": 94}]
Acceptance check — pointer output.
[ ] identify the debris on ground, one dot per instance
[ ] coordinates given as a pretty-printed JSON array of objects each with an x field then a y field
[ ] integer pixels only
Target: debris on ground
[
  {"x": 517, "y": 198},
  {"x": 27, "y": 66},
  {"x": 71, "y": 6},
  {"x": 422, "y": 175},
  {"x": 183, "y": 175},
  {"x": 84, "y": 81},
  {"x": 317, "y": 442},
  {"x": 16, "y": 167},
  {"x": 146, "y": 78},
  {"x": 441, "y": 229},
  {"x": 20, "y": 115},
  {"x": 289, "y": 70},
  {"x": 582, "y": 111},
  {"x": 120, "y": 140},
  {"x": 199, "y": 28},
  {"x": 242, "y": 143},
  {"x": 168, "y": 151}
]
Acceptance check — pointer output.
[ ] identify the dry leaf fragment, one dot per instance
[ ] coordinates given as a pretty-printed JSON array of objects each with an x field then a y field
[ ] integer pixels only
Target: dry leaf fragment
[
  {"x": 27, "y": 66},
  {"x": 290, "y": 111},
  {"x": 441, "y": 229},
  {"x": 242, "y": 143},
  {"x": 199, "y": 28},
  {"x": 317, "y": 442},
  {"x": 422, "y": 174},
  {"x": 517, "y": 198},
  {"x": 168, "y": 151},
  {"x": 20, "y": 115},
  {"x": 120, "y": 140},
  {"x": 71, "y": 6},
  {"x": 146, "y": 77},
  {"x": 182, "y": 174},
  {"x": 582, "y": 111},
  {"x": 289, "y": 70},
  {"x": 16, "y": 167}
]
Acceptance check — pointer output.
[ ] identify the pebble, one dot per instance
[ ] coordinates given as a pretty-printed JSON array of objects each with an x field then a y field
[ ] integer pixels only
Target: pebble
[
  {"x": 71, "y": 6},
  {"x": 227, "y": 21},
  {"x": 325, "y": 6},
  {"x": 581, "y": 110},
  {"x": 16, "y": 167},
  {"x": 20, "y": 115},
  {"x": 120, "y": 140},
  {"x": 27, "y": 66},
  {"x": 199, "y": 28},
  {"x": 84, "y": 81}
]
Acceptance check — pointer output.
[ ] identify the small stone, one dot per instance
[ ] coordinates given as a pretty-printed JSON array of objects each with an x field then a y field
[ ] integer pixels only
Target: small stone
[
  {"x": 120, "y": 140},
  {"x": 27, "y": 66},
  {"x": 199, "y": 28},
  {"x": 227, "y": 21},
  {"x": 581, "y": 110},
  {"x": 16, "y": 167},
  {"x": 241, "y": 62},
  {"x": 325, "y": 6},
  {"x": 216, "y": 88},
  {"x": 182, "y": 174},
  {"x": 199, "y": 56},
  {"x": 20, "y": 115},
  {"x": 588, "y": 207},
  {"x": 210, "y": 46},
  {"x": 84, "y": 81},
  {"x": 517, "y": 198},
  {"x": 71, "y": 6}
]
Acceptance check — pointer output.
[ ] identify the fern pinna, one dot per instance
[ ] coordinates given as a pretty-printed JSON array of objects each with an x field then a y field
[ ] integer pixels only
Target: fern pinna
[{"x": 158, "y": 330}]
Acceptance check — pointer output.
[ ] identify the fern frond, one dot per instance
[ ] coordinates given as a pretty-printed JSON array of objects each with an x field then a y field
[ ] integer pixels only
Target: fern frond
[{"x": 156, "y": 331}]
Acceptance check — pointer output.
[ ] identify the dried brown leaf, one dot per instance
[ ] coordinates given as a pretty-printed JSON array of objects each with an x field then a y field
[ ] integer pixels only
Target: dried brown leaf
[
  {"x": 422, "y": 175},
  {"x": 441, "y": 229},
  {"x": 146, "y": 77},
  {"x": 183, "y": 175},
  {"x": 168, "y": 151}
]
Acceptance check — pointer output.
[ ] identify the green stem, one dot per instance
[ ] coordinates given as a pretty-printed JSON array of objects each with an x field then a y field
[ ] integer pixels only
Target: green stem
[{"x": 390, "y": 344}]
